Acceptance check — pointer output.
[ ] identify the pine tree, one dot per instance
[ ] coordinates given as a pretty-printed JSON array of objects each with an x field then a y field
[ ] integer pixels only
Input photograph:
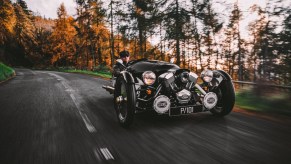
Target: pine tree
[
  {"x": 255, "y": 31},
  {"x": 62, "y": 39},
  {"x": 264, "y": 42},
  {"x": 90, "y": 19},
  {"x": 175, "y": 17},
  {"x": 141, "y": 12},
  {"x": 43, "y": 33},
  {"x": 25, "y": 33},
  {"x": 24, "y": 7},
  {"x": 7, "y": 20},
  {"x": 111, "y": 33},
  {"x": 98, "y": 33},
  {"x": 196, "y": 12},
  {"x": 234, "y": 43},
  {"x": 284, "y": 50}
]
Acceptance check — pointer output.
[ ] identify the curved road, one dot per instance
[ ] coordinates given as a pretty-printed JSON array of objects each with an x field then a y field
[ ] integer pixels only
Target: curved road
[{"x": 61, "y": 118}]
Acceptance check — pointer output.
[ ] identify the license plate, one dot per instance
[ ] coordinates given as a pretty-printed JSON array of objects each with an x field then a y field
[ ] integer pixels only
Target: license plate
[
  {"x": 187, "y": 110},
  {"x": 181, "y": 110}
]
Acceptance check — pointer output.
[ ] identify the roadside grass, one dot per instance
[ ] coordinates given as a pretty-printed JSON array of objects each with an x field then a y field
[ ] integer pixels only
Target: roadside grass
[
  {"x": 94, "y": 73},
  {"x": 5, "y": 72},
  {"x": 103, "y": 72},
  {"x": 271, "y": 103}
]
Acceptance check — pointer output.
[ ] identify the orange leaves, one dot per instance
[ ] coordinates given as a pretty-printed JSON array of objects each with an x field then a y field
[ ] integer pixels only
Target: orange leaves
[
  {"x": 7, "y": 20},
  {"x": 63, "y": 37}
]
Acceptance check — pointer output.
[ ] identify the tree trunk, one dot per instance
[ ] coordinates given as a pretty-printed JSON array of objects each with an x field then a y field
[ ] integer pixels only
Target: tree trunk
[
  {"x": 177, "y": 24},
  {"x": 145, "y": 45},
  {"x": 111, "y": 35},
  {"x": 141, "y": 53},
  {"x": 100, "y": 60},
  {"x": 135, "y": 53},
  {"x": 184, "y": 54}
]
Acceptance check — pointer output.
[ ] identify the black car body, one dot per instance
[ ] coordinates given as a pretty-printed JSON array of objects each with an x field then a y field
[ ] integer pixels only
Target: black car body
[{"x": 168, "y": 89}]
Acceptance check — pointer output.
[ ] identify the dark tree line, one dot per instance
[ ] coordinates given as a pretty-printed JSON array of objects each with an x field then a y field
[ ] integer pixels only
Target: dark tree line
[{"x": 190, "y": 31}]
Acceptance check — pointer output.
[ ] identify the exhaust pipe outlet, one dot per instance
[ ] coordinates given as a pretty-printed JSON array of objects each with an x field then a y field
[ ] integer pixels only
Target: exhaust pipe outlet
[{"x": 109, "y": 89}]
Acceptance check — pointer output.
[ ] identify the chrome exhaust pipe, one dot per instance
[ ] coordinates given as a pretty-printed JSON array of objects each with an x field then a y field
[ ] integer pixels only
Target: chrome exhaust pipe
[
  {"x": 109, "y": 89},
  {"x": 200, "y": 89}
]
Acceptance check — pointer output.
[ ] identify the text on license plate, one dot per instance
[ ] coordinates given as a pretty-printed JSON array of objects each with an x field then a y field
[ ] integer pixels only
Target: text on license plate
[{"x": 187, "y": 110}]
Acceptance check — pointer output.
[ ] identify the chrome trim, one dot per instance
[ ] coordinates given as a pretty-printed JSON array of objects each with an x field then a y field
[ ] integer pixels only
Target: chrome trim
[{"x": 200, "y": 89}]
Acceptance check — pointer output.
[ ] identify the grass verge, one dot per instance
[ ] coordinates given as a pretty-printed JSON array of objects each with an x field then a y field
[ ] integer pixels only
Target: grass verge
[
  {"x": 99, "y": 73},
  {"x": 272, "y": 103},
  {"x": 104, "y": 73},
  {"x": 5, "y": 72}
]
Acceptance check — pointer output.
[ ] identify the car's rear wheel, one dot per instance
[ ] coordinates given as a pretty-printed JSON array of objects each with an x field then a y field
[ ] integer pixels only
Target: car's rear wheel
[
  {"x": 124, "y": 102},
  {"x": 226, "y": 99}
]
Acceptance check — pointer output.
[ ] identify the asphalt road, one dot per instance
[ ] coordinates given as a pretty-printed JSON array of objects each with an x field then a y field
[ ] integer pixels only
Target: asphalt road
[{"x": 61, "y": 118}]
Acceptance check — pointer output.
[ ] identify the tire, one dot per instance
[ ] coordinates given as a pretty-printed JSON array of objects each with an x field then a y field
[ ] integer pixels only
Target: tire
[
  {"x": 226, "y": 99},
  {"x": 126, "y": 109}
]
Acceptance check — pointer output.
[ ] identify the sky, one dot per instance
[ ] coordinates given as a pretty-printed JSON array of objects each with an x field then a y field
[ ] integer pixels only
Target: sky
[{"x": 48, "y": 8}]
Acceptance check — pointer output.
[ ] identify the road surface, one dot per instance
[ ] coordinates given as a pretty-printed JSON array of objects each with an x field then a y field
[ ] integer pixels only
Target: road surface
[{"x": 61, "y": 118}]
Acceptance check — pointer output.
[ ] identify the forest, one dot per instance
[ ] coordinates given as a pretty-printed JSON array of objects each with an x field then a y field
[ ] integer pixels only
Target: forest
[{"x": 192, "y": 32}]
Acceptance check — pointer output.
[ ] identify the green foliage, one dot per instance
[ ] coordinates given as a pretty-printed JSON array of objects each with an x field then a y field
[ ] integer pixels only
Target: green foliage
[
  {"x": 5, "y": 72},
  {"x": 272, "y": 103},
  {"x": 102, "y": 68}
]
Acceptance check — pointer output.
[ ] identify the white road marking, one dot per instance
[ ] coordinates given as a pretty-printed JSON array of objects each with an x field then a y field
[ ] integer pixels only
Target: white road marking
[
  {"x": 69, "y": 90},
  {"x": 106, "y": 153},
  {"x": 97, "y": 154},
  {"x": 87, "y": 122},
  {"x": 74, "y": 99},
  {"x": 66, "y": 85},
  {"x": 77, "y": 103}
]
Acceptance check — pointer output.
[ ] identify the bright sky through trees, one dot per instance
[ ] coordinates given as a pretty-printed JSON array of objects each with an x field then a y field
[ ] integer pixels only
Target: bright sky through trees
[{"x": 49, "y": 9}]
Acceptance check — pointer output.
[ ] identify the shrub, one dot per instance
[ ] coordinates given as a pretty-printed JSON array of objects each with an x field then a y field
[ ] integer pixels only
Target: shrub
[{"x": 5, "y": 72}]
